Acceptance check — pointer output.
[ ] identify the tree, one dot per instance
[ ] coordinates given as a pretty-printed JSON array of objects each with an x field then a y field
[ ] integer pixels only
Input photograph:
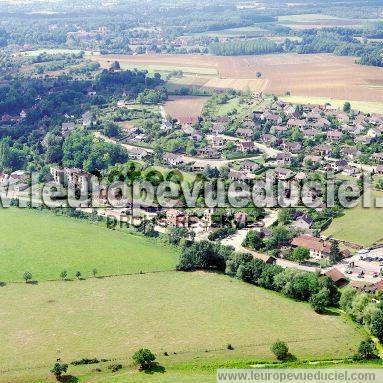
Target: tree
[
  {"x": 253, "y": 240},
  {"x": 376, "y": 325},
  {"x": 78, "y": 274},
  {"x": 204, "y": 255},
  {"x": 94, "y": 272},
  {"x": 284, "y": 216},
  {"x": 366, "y": 350},
  {"x": 301, "y": 254},
  {"x": 27, "y": 276},
  {"x": 258, "y": 74},
  {"x": 63, "y": 275},
  {"x": 116, "y": 66},
  {"x": 346, "y": 298},
  {"x": 111, "y": 129},
  {"x": 143, "y": 358},
  {"x": 320, "y": 300},
  {"x": 177, "y": 234},
  {"x": 347, "y": 107},
  {"x": 280, "y": 350},
  {"x": 58, "y": 369},
  {"x": 334, "y": 255}
]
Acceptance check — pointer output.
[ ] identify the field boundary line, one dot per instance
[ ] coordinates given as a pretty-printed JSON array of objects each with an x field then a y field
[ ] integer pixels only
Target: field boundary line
[{"x": 91, "y": 278}]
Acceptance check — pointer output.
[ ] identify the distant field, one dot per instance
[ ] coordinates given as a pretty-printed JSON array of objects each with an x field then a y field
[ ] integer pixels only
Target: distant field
[
  {"x": 312, "y": 75},
  {"x": 185, "y": 106},
  {"x": 45, "y": 245},
  {"x": 359, "y": 225},
  {"x": 364, "y": 106},
  {"x": 193, "y": 314},
  {"x": 54, "y": 51},
  {"x": 131, "y": 62},
  {"x": 316, "y": 20}
]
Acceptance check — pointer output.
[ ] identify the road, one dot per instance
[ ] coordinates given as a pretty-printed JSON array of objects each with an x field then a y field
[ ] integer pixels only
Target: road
[
  {"x": 271, "y": 152},
  {"x": 237, "y": 239},
  {"x": 206, "y": 161}
]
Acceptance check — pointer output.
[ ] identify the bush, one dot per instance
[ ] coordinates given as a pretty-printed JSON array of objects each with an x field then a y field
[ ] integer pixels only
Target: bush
[
  {"x": 143, "y": 358},
  {"x": 280, "y": 350},
  {"x": 27, "y": 276},
  {"x": 58, "y": 369},
  {"x": 85, "y": 361},
  {"x": 115, "y": 367},
  {"x": 366, "y": 350}
]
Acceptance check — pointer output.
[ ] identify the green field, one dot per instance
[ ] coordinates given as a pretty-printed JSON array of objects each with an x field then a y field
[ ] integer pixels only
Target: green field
[
  {"x": 359, "y": 225},
  {"x": 194, "y": 315},
  {"x": 45, "y": 245},
  {"x": 363, "y": 106},
  {"x": 306, "y": 18}
]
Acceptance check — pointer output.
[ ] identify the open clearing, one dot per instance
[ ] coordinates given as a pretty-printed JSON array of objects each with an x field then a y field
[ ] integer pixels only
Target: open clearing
[
  {"x": 185, "y": 106},
  {"x": 359, "y": 225},
  {"x": 45, "y": 245},
  {"x": 186, "y": 313},
  {"x": 312, "y": 75}
]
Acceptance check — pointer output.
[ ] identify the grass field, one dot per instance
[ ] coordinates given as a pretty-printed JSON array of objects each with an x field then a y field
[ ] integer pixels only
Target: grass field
[
  {"x": 311, "y": 75},
  {"x": 45, "y": 245},
  {"x": 194, "y": 315},
  {"x": 359, "y": 225},
  {"x": 364, "y": 106}
]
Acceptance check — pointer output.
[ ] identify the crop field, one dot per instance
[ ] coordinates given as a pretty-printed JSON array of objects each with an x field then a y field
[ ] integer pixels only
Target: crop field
[
  {"x": 45, "y": 245},
  {"x": 359, "y": 225},
  {"x": 185, "y": 106},
  {"x": 194, "y": 315},
  {"x": 312, "y": 75}
]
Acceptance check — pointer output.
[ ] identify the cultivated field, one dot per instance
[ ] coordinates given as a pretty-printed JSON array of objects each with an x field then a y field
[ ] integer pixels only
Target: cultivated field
[
  {"x": 359, "y": 225},
  {"x": 313, "y": 75},
  {"x": 45, "y": 245},
  {"x": 194, "y": 315},
  {"x": 185, "y": 106}
]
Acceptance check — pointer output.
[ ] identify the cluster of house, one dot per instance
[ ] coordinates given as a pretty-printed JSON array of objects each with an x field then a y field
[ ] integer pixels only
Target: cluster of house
[
  {"x": 312, "y": 121},
  {"x": 72, "y": 177},
  {"x": 8, "y": 119},
  {"x": 86, "y": 121},
  {"x": 18, "y": 180}
]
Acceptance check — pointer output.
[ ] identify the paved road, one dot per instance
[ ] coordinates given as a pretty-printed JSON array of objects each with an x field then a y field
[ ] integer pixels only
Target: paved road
[
  {"x": 206, "y": 161},
  {"x": 271, "y": 152}
]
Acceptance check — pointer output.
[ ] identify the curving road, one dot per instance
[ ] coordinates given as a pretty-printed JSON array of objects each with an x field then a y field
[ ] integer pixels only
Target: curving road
[{"x": 207, "y": 161}]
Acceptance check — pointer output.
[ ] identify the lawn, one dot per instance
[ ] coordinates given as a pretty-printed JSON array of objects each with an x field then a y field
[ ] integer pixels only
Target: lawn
[
  {"x": 364, "y": 106},
  {"x": 194, "y": 315},
  {"x": 359, "y": 225},
  {"x": 45, "y": 245}
]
